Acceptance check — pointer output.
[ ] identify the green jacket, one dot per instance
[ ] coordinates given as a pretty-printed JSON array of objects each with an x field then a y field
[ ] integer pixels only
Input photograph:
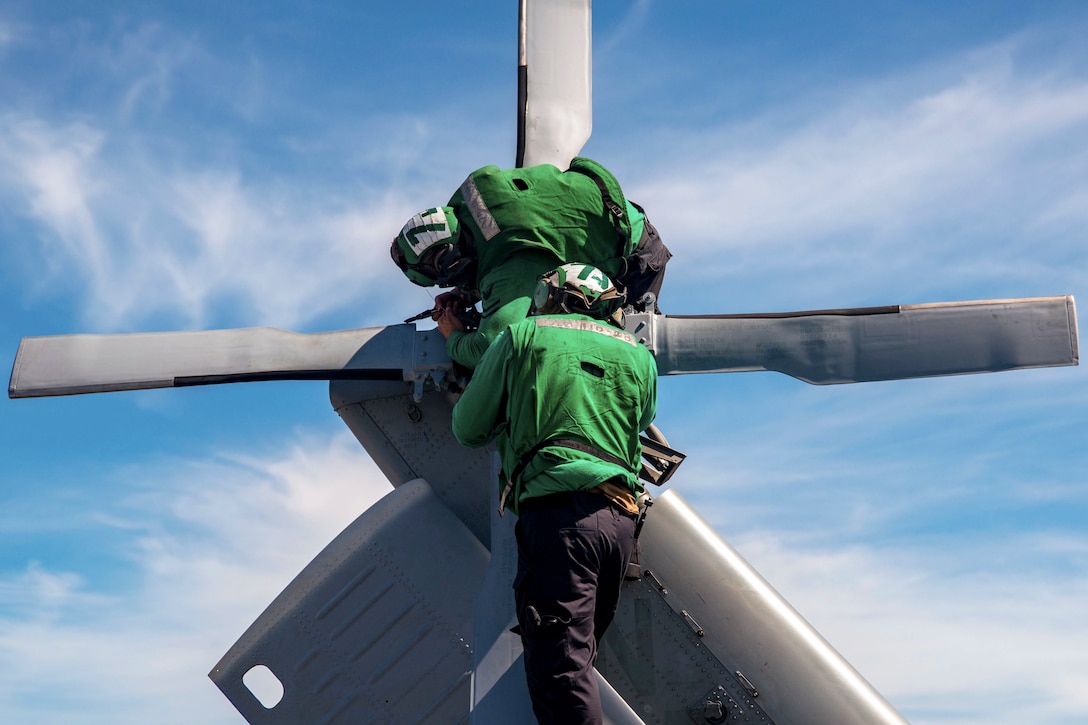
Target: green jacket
[
  {"x": 561, "y": 376},
  {"x": 525, "y": 222}
]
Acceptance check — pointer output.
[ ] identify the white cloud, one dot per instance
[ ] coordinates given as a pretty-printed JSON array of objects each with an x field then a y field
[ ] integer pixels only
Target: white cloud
[
  {"x": 214, "y": 541},
  {"x": 917, "y": 183},
  {"x": 52, "y": 169},
  {"x": 871, "y": 462},
  {"x": 942, "y": 641},
  {"x": 180, "y": 229},
  {"x": 147, "y": 224},
  {"x": 633, "y": 21},
  {"x": 146, "y": 60},
  {"x": 933, "y": 180},
  {"x": 146, "y": 239},
  {"x": 39, "y": 594},
  {"x": 211, "y": 543},
  {"x": 928, "y": 529}
]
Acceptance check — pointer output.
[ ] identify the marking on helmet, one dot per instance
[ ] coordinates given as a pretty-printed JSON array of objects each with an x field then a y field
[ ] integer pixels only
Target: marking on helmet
[
  {"x": 586, "y": 326},
  {"x": 430, "y": 230},
  {"x": 593, "y": 281},
  {"x": 480, "y": 213}
]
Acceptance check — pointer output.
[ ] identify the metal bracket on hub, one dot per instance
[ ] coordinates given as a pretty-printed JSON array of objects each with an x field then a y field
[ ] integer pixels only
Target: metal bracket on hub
[{"x": 419, "y": 379}]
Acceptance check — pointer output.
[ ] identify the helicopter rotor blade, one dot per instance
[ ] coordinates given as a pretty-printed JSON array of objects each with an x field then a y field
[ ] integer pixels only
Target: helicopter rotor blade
[
  {"x": 820, "y": 347},
  {"x": 72, "y": 364},
  {"x": 555, "y": 105},
  {"x": 898, "y": 342}
]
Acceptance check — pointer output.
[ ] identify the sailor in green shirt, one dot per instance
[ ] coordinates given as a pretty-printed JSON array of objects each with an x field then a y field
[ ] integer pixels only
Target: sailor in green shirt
[
  {"x": 503, "y": 229},
  {"x": 565, "y": 396}
]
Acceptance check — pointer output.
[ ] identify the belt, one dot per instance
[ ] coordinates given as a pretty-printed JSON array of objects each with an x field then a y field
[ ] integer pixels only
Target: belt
[
  {"x": 562, "y": 499},
  {"x": 565, "y": 499},
  {"x": 513, "y": 481}
]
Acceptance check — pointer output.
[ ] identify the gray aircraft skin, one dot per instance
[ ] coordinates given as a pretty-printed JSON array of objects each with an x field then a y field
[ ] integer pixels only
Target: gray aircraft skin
[{"x": 405, "y": 616}]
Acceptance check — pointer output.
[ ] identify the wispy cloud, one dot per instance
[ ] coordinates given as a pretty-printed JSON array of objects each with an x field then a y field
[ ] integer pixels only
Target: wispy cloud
[
  {"x": 943, "y": 645},
  {"x": 39, "y": 594},
  {"x": 634, "y": 19},
  {"x": 206, "y": 546},
  {"x": 145, "y": 239},
  {"x": 930, "y": 530},
  {"x": 966, "y": 174},
  {"x": 950, "y": 171},
  {"x": 872, "y": 462},
  {"x": 150, "y": 224},
  {"x": 146, "y": 61},
  {"x": 920, "y": 183}
]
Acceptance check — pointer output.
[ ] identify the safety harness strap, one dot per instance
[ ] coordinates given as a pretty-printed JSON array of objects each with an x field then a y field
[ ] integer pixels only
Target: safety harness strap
[
  {"x": 615, "y": 210},
  {"x": 514, "y": 479}
]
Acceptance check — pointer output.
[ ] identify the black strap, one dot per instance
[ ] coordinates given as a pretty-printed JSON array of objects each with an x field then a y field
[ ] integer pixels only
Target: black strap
[
  {"x": 564, "y": 443},
  {"x": 513, "y": 481},
  {"x": 614, "y": 209}
]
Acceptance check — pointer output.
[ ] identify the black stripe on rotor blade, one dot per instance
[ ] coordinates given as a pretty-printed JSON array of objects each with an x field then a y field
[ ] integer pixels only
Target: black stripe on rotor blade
[
  {"x": 523, "y": 86},
  {"x": 848, "y": 312},
  {"x": 523, "y": 78},
  {"x": 377, "y": 374}
]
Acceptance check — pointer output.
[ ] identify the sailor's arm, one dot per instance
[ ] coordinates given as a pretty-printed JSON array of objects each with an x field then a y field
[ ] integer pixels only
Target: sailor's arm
[
  {"x": 480, "y": 414},
  {"x": 507, "y": 293},
  {"x": 468, "y": 347}
]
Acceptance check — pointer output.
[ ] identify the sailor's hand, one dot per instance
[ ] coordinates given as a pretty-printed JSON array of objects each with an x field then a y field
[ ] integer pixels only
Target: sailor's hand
[
  {"x": 452, "y": 301},
  {"x": 448, "y": 321}
]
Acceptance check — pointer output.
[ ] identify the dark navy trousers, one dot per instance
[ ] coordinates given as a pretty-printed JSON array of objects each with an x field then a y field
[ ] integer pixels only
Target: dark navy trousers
[{"x": 573, "y": 550}]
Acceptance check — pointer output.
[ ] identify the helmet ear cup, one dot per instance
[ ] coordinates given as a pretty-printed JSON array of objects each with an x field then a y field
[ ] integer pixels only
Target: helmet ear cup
[
  {"x": 543, "y": 295},
  {"x": 578, "y": 288}
]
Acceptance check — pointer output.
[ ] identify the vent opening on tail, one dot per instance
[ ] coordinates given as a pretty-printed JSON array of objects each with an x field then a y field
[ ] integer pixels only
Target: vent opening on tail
[{"x": 264, "y": 685}]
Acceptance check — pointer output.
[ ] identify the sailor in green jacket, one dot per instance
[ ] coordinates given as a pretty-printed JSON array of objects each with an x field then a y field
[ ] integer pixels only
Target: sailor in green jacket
[
  {"x": 503, "y": 229},
  {"x": 565, "y": 396}
]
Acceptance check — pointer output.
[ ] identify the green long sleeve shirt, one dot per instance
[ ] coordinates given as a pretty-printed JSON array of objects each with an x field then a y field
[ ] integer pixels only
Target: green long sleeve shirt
[
  {"x": 506, "y": 296},
  {"x": 561, "y": 376},
  {"x": 525, "y": 222}
]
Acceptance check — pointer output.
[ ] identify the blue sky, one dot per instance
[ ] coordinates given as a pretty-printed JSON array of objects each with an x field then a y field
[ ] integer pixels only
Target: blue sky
[{"x": 202, "y": 165}]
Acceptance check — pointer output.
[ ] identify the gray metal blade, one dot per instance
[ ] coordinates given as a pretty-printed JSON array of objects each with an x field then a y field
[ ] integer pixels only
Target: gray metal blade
[
  {"x": 555, "y": 106},
  {"x": 820, "y": 347},
  {"x": 862, "y": 345},
  {"x": 376, "y": 629},
  {"x": 702, "y": 625},
  {"x": 70, "y": 364}
]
